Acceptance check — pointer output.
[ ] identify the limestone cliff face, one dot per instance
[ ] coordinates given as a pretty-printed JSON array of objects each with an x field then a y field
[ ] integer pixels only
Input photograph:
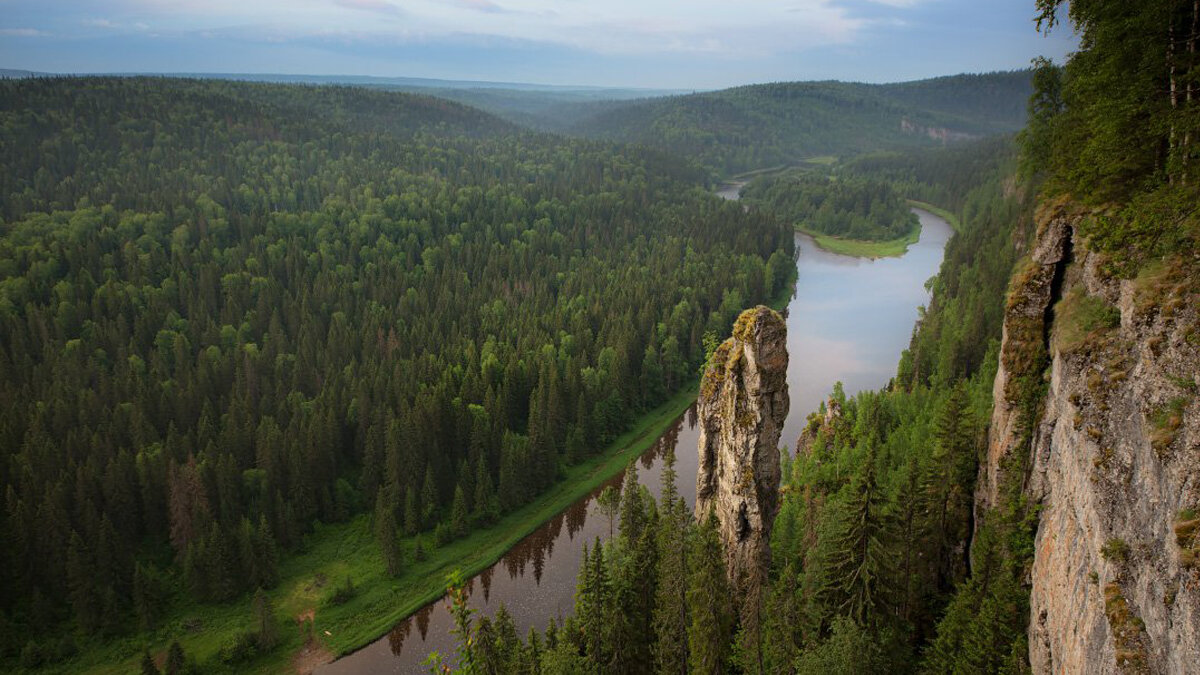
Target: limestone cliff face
[
  {"x": 742, "y": 406},
  {"x": 1112, "y": 455}
]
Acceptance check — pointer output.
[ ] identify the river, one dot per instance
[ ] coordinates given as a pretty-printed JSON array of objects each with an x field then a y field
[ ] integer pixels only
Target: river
[{"x": 848, "y": 320}]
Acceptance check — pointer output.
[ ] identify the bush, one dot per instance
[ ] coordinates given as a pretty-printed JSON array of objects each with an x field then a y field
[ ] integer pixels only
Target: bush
[
  {"x": 32, "y": 656},
  {"x": 344, "y": 593},
  {"x": 66, "y": 648},
  {"x": 1080, "y": 319},
  {"x": 1115, "y": 550},
  {"x": 240, "y": 648}
]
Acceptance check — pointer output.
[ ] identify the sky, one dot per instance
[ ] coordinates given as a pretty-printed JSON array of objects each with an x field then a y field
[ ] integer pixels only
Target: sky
[{"x": 675, "y": 44}]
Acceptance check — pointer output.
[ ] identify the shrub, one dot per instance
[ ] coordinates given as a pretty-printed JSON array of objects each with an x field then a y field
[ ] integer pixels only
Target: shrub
[
  {"x": 1115, "y": 550},
  {"x": 343, "y": 593}
]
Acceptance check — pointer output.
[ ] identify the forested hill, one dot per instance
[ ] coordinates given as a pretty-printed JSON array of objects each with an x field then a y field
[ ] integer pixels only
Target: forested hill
[
  {"x": 133, "y": 138},
  {"x": 757, "y": 126},
  {"x": 229, "y": 311}
]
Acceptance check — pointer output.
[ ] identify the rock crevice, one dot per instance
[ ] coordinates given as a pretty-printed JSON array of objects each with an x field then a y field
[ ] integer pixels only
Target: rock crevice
[{"x": 1111, "y": 453}]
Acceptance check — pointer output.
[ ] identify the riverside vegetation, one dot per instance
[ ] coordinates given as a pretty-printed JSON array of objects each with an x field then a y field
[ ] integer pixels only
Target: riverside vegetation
[
  {"x": 852, "y": 216},
  {"x": 233, "y": 315},
  {"x": 877, "y": 562},
  {"x": 219, "y": 337}
]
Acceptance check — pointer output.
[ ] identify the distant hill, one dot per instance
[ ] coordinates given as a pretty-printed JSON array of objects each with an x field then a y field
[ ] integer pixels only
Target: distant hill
[
  {"x": 757, "y": 126},
  {"x": 14, "y": 74},
  {"x": 538, "y": 106}
]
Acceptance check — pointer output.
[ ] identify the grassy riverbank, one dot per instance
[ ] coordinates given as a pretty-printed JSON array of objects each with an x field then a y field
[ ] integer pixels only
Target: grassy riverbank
[
  {"x": 862, "y": 248},
  {"x": 880, "y": 249},
  {"x": 938, "y": 211},
  {"x": 333, "y": 553}
]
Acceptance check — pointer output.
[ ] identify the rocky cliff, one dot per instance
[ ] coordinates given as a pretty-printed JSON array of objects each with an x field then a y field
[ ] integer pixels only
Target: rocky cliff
[
  {"x": 742, "y": 406},
  {"x": 1096, "y": 418}
]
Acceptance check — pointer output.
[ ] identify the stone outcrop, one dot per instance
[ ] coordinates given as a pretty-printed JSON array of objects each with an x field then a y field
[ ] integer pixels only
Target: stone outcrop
[
  {"x": 1023, "y": 346},
  {"x": 819, "y": 424},
  {"x": 742, "y": 407},
  {"x": 1112, "y": 455}
]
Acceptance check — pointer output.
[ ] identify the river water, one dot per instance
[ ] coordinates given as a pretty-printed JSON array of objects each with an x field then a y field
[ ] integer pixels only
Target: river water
[{"x": 848, "y": 320}]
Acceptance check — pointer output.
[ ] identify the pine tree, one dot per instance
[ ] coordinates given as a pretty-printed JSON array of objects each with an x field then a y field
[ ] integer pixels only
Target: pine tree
[
  {"x": 782, "y": 638},
  {"x": 266, "y": 556},
  {"x": 148, "y": 596},
  {"x": 80, "y": 583},
  {"x": 412, "y": 515},
  {"x": 633, "y": 507},
  {"x": 429, "y": 498},
  {"x": 609, "y": 501},
  {"x": 487, "y": 508},
  {"x": 593, "y": 605}
]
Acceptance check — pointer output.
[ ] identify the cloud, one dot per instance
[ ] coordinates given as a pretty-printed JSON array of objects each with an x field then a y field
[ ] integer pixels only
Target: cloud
[
  {"x": 481, "y": 6},
  {"x": 620, "y": 27},
  {"x": 379, "y": 6},
  {"x": 23, "y": 32},
  {"x": 100, "y": 23}
]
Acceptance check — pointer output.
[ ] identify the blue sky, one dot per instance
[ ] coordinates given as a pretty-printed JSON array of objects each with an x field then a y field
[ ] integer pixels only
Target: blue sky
[{"x": 645, "y": 43}]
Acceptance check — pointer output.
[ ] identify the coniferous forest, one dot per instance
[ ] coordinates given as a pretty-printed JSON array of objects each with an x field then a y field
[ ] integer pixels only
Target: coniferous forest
[
  {"x": 236, "y": 317},
  {"x": 865, "y": 210},
  {"x": 879, "y": 564},
  {"x": 233, "y": 310}
]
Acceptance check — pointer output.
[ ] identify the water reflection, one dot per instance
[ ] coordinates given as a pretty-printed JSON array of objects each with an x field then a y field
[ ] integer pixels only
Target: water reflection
[{"x": 848, "y": 320}]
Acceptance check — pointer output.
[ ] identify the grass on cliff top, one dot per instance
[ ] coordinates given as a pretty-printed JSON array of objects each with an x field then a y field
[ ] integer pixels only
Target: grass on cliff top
[{"x": 1080, "y": 318}]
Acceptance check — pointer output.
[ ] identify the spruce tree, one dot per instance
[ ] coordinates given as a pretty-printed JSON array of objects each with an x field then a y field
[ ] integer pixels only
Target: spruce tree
[
  {"x": 148, "y": 667},
  {"x": 710, "y": 629},
  {"x": 385, "y": 529},
  {"x": 670, "y": 618},
  {"x": 459, "y": 514},
  {"x": 860, "y": 562},
  {"x": 176, "y": 661},
  {"x": 267, "y": 635}
]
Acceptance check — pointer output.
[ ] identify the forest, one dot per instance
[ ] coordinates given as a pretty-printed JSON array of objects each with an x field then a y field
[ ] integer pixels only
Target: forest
[
  {"x": 870, "y": 568},
  {"x": 782, "y": 123},
  {"x": 230, "y": 311},
  {"x": 878, "y": 562},
  {"x": 233, "y": 315},
  {"x": 862, "y": 209}
]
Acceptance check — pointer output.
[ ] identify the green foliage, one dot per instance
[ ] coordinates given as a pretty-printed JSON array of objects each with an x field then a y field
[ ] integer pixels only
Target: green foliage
[
  {"x": 768, "y": 125},
  {"x": 850, "y": 650},
  {"x": 345, "y": 592},
  {"x": 1119, "y": 126},
  {"x": 1115, "y": 550},
  {"x": 861, "y": 209},
  {"x": 1080, "y": 319},
  {"x": 231, "y": 311}
]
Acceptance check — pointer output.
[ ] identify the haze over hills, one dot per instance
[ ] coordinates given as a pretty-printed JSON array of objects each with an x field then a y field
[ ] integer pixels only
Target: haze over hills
[
  {"x": 764, "y": 125},
  {"x": 731, "y": 130}
]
